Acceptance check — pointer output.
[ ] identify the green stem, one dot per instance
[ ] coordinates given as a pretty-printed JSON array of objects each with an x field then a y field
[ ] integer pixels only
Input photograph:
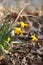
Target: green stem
[
  {"x": 8, "y": 44},
  {"x": 3, "y": 50}
]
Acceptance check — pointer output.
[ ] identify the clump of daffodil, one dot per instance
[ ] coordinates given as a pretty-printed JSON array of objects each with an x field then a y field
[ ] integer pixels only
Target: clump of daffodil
[
  {"x": 9, "y": 39},
  {"x": 22, "y": 24},
  {"x": 18, "y": 31},
  {"x": 34, "y": 38}
]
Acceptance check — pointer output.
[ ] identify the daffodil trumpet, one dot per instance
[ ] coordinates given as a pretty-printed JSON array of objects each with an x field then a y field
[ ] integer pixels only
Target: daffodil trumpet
[
  {"x": 34, "y": 38},
  {"x": 18, "y": 31},
  {"x": 23, "y": 25},
  {"x": 9, "y": 39}
]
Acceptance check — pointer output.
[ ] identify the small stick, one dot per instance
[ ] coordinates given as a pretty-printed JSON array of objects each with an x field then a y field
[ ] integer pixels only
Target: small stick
[{"x": 21, "y": 12}]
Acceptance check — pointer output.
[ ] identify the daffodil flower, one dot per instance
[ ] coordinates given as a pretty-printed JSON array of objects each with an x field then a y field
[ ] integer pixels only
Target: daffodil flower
[
  {"x": 9, "y": 39},
  {"x": 18, "y": 31},
  {"x": 23, "y": 24},
  {"x": 34, "y": 38}
]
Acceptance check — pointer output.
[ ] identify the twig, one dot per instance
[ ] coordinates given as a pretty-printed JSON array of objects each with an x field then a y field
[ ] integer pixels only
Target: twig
[
  {"x": 29, "y": 15},
  {"x": 21, "y": 12}
]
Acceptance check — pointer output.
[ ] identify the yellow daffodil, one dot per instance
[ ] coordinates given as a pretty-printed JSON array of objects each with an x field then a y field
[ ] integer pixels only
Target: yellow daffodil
[
  {"x": 23, "y": 24},
  {"x": 18, "y": 31},
  {"x": 9, "y": 39},
  {"x": 34, "y": 38}
]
